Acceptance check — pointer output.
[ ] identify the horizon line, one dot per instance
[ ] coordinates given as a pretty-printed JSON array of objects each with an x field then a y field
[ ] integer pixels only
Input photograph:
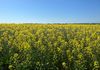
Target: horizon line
[{"x": 49, "y": 23}]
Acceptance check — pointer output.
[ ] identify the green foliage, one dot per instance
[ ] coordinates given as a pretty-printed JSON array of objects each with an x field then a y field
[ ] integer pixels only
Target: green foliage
[{"x": 49, "y": 47}]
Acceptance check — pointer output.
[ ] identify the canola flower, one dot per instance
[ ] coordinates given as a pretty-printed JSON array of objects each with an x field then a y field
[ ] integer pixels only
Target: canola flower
[{"x": 49, "y": 47}]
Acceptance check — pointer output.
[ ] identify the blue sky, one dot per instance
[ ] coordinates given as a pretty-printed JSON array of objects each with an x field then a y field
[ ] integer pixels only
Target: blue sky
[{"x": 50, "y": 11}]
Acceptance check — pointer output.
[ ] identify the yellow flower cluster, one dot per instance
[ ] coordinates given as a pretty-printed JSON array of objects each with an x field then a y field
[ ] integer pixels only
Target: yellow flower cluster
[{"x": 49, "y": 47}]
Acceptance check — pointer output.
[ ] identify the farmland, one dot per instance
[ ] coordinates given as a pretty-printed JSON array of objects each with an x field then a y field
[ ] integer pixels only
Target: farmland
[{"x": 49, "y": 47}]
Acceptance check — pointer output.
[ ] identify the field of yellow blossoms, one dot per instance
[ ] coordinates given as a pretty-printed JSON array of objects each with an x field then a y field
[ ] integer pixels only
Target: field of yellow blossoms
[{"x": 49, "y": 47}]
